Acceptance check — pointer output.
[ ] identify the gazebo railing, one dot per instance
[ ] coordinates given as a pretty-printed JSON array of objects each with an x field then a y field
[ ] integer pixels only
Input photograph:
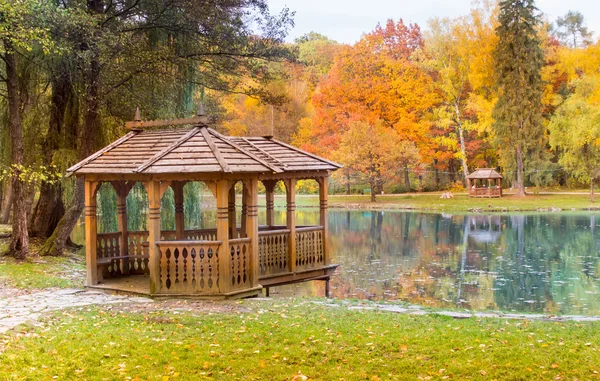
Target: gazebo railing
[
  {"x": 189, "y": 267},
  {"x": 309, "y": 248},
  {"x": 485, "y": 192},
  {"x": 240, "y": 259},
  {"x": 273, "y": 249}
]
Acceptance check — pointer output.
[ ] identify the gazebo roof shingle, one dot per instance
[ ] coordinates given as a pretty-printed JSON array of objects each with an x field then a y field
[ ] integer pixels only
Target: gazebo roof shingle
[
  {"x": 198, "y": 149},
  {"x": 484, "y": 173}
]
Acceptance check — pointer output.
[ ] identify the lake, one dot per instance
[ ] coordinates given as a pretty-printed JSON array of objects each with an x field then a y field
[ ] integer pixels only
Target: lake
[{"x": 535, "y": 263}]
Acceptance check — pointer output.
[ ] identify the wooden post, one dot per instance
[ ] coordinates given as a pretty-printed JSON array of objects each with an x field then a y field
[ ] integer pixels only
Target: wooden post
[
  {"x": 290, "y": 186},
  {"x": 324, "y": 215},
  {"x": 251, "y": 196},
  {"x": 224, "y": 257},
  {"x": 244, "y": 233},
  {"x": 231, "y": 213},
  {"x": 500, "y": 186},
  {"x": 177, "y": 187},
  {"x": 153, "y": 190},
  {"x": 489, "y": 188},
  {"x": 122, "y": 190},
  {"x": 270, "y": 197},
  {"x": 91, "y": 231}
]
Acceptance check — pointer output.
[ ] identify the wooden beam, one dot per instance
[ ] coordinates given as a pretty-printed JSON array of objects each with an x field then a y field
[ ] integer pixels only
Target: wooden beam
[
  {"x": 223, "y": 236},
  {"x": 324, "y": 216},
  {"x": 251, "y": 218},
  {"x": 153, "y": 191},
  {"x": 91, "y": 231},
  {"x": 290, "y": 186},
  {"x": 139, "y": 124},
  {"x": 215, "y": 150}
]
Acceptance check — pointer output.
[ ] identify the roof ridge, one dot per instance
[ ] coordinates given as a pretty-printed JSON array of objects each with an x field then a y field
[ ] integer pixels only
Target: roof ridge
[
  {"x": 307, "y": 153},
  {"x": 227, "y": 140},
  {"x": 101, "y": 152},
  {"x": 215, "y": 150},
  {"x": 168, "y": 150}
]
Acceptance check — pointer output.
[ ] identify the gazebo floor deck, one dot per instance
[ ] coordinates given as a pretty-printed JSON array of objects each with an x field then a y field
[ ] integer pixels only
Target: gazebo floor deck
[
  {"x": 140, "y": 284},
  {"x": 132, "y": 284}
]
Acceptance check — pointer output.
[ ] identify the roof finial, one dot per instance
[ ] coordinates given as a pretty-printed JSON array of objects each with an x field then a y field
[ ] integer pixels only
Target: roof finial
[
  {"x": 200, "y": 111},
  {"x": 138, "y": 116}
]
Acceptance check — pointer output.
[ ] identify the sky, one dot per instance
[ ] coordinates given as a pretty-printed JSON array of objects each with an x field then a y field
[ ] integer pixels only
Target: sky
[{"x": 346, "y": 20}]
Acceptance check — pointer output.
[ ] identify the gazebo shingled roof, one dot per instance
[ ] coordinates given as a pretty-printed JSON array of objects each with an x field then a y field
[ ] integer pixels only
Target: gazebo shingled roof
[
  {"x": 198, "y": 149},
  {"x": 484, "y": 173}
]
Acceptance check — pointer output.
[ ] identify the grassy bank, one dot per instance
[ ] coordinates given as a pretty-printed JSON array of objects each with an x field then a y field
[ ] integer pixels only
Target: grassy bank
[
  {"x": 271, "y": 340},
  {"x": 39, "y": 273},
  {"x": 460, "y": 202}
]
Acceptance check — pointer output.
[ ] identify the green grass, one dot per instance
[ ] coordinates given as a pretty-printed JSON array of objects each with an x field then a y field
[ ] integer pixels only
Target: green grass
[
  {"x": 460, "y": 202},
  {"x": 272, "y": 340},
  {"x": 41, "y": 273}
]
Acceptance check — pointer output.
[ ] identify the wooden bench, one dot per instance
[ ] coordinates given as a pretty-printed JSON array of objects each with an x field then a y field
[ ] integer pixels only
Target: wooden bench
[{"x": 103, "y": 263}]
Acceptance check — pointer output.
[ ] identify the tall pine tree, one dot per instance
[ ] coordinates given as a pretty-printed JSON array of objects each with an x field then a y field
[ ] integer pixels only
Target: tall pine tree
[{"x": 519, "y": 60}]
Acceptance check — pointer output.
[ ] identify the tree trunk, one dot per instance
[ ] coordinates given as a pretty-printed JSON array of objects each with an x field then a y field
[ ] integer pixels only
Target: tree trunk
[
  {"x": 520, "y": 182},
  {"x": 6, "y": 204},
  {"x": 50, "y": 208},
  {"x": 373, "y": 187},
  {"x": 19, "y": 243},
  {"x": 348, "y": 183},
  {"x": 592, "y": 196},
  {"x": 463, "y": 150},
  {"x": 406, "y": 178}
]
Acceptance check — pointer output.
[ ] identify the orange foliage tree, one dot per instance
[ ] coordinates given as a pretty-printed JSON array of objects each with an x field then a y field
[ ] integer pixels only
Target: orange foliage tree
[{"x": 377, "y": 79}]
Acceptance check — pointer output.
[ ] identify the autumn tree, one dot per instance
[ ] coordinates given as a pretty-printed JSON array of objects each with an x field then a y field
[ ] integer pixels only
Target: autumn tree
[
  {"x": 575, "y": 131},
  {"x": 376, "y": 79},
  {"x": 376, "y": 152},
  {"x": 458, "y": 51},
  {"x": 518, "y": 113}
]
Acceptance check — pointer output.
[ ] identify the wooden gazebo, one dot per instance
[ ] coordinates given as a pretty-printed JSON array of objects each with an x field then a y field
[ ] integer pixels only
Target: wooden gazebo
[
  {"x": 226, "y": 261},
  {"x": 485, "y": 182}
]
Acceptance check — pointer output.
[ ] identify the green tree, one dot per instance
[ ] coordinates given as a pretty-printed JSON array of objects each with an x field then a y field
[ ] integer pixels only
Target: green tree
[
  {"x": 571, "y": 30},
  {"x": 376, "y": 152},
  {"x": 22, "y": 30},
  {"x": 518, "y": 113},
  {"x": 159, "y": 55},
  {"x": 575, "y": 132}
]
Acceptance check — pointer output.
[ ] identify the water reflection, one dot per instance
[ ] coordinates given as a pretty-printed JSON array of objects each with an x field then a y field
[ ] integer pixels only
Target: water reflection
[{"x": 527, "y": 263}]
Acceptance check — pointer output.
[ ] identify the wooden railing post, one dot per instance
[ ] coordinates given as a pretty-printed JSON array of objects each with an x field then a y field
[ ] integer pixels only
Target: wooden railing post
[
  {"x": 153, "y": 190},
  {"x": 290, "y": 186},
  {"x": 270, "y": 198},
  {"x": 222, "y": 195},
  {"x": 251, "y": 196},
  {"x": 324, "y": 216},
  {"x": 177, "y": 187},
  {"x": 91, "y": 231}
]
